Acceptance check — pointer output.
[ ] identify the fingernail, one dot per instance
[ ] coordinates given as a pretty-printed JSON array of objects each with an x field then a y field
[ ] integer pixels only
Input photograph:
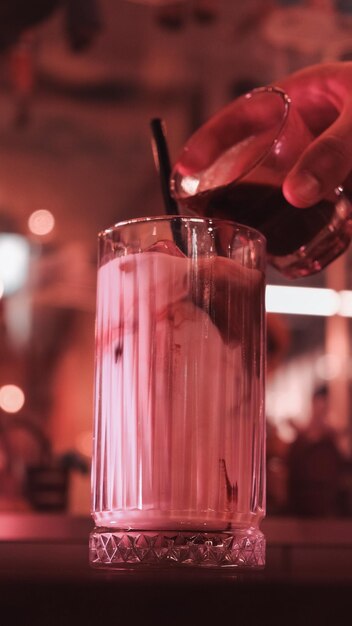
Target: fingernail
[{"x": 305, "y": 187}]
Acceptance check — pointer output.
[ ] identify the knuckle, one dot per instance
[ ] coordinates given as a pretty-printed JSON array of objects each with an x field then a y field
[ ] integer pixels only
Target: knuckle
[{"x": 334, "y": 149}]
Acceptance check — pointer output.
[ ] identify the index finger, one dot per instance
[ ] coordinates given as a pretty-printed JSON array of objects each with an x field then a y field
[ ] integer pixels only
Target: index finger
[{"x": 256, "y": 115}]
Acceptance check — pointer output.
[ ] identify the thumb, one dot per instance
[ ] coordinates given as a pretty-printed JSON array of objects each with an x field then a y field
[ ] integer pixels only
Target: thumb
[{"x": 323, "y": 166}]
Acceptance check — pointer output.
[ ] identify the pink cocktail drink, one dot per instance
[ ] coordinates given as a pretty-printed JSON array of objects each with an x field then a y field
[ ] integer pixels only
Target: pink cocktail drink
[{"x": 178, "y": 474}]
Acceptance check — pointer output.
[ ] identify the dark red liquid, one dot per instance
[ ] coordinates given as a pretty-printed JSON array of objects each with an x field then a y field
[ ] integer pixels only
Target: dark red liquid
[{"x": 264, "y": 207}]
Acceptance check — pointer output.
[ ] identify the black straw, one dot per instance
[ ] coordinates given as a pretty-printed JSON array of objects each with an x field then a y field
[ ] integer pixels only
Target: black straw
[{"x": 162, "y": 163}]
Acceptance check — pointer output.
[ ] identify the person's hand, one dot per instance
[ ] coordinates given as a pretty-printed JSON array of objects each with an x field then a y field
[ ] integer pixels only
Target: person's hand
[{"x": 323, "y": 96}]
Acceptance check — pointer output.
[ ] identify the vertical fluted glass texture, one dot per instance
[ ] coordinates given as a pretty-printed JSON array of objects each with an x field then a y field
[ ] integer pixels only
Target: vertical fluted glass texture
[{"x": 179, "y": 379}]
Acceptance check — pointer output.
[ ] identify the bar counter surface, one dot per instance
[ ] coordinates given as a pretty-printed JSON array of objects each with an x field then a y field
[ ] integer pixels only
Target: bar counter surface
[{"x": 45, "y": 578}]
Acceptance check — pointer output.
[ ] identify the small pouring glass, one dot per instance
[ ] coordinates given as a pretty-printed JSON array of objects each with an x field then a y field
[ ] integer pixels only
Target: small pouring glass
[{"x": 234, "y": 167}]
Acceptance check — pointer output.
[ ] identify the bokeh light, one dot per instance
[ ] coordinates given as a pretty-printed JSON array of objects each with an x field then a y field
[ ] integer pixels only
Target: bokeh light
[
  {"x": 12, "y": 398},
  {"x": 41, "y": 222}
]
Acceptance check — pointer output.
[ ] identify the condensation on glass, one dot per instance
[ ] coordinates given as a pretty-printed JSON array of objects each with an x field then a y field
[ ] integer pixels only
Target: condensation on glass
[{"x": 179, "y": 447}]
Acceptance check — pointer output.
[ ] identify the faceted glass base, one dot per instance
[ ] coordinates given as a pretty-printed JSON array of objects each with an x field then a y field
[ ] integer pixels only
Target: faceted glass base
[{"x": 135, "y": 549}]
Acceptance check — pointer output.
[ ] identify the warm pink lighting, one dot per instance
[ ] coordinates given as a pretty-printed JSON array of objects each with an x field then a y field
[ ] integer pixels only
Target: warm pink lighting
[
  {"x": 11, "y": 398},
  {"x": 84, "y": 443},
  {"x": 41, "y": 222}
]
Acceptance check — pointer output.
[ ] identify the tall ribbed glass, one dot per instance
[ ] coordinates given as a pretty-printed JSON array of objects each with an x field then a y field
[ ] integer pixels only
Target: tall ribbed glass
[{"x": 178, "y": 474}]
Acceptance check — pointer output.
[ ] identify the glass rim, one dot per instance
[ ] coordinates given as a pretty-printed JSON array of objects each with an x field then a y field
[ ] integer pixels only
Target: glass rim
[
  {"x": 286, "y": 100},
  {"x": 256, "y": 234}
]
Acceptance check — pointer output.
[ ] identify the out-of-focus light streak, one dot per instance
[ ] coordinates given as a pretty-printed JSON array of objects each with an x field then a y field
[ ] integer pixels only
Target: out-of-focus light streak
[
  {"x": 308, "y": 301},
  {"x": 14, "y": 260}
]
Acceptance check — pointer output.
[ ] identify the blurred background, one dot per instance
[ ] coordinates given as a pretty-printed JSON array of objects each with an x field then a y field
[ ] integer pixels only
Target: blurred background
[{"x": 79, "y": 82}]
